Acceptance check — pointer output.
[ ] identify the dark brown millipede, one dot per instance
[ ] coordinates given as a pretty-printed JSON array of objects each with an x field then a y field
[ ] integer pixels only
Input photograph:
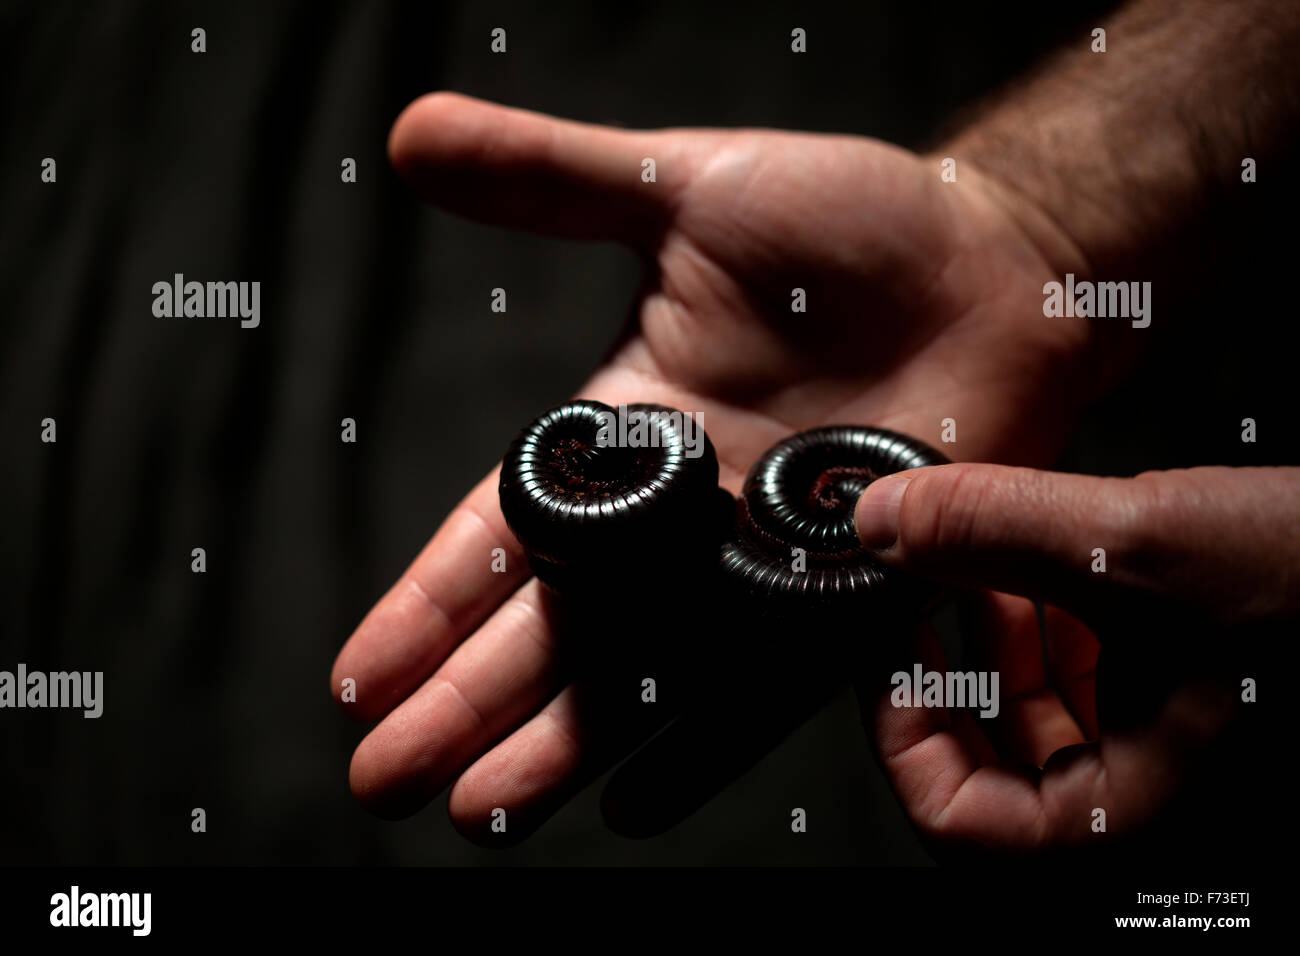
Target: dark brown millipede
[{"x": 586, "y": 512}]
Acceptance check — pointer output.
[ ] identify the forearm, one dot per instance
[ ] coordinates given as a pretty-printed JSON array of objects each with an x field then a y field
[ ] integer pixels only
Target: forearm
[{"x": 1134, "y": 154}]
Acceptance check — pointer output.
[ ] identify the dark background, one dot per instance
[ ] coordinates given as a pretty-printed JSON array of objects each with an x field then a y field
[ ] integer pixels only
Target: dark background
[{"x": 197, "y": 433}]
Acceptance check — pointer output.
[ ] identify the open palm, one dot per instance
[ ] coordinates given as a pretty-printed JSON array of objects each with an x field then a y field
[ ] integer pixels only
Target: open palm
[{"x": 923, "y": 303}]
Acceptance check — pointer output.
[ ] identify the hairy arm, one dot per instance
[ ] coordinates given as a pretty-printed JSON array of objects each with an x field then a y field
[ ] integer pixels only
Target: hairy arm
[{"x": 1128, "y": 149}]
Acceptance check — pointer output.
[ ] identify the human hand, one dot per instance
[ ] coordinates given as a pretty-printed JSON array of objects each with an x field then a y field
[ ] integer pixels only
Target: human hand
[
  {"x": 924, "y": 302},
  {"x": 1120, "y": 702}
]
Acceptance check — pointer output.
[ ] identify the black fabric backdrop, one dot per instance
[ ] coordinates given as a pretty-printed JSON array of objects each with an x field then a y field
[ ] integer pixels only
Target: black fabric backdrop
[{"x": 181, "y": 434}]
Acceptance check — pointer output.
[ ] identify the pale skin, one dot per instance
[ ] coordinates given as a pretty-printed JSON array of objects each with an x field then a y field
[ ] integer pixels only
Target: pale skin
[{"x": 924, "y": 301}]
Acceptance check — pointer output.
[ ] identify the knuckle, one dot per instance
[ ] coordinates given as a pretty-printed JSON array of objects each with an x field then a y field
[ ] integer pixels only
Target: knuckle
[
  {"x": 1133, "y": 518},
  {"x": 946, "y": 515}
]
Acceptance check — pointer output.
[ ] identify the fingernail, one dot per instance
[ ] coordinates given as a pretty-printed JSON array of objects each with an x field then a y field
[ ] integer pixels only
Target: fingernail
[{"x": 877, "y": 511}]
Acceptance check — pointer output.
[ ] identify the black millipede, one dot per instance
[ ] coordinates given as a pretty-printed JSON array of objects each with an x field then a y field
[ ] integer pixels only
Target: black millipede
[{"x": 588, "y": 512}]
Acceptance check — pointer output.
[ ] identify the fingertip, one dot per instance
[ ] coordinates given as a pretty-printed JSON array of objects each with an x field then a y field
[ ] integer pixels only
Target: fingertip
[
  {"x": 400, "y": 135},
  {"x": 433, "y": 124},
  {"x": 481, "y": 819},
  {"x": 345, "y": 688},
  {"x": 362, "y": 779},
  {"x": 876, "y": 513},
  {"x": 372, "y": 785}
]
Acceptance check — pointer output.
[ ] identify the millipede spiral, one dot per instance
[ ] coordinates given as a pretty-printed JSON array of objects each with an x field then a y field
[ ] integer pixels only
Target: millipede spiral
[
  {"x": 584, "y": 511},
  {"x": 794, "y": 541}
]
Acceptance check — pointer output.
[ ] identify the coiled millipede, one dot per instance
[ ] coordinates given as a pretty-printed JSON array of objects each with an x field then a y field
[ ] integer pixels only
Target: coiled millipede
[{"x": 587, "y": 511}]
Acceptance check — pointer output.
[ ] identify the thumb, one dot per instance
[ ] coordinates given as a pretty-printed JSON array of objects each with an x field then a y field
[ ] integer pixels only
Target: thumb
[
  {"x": 1226, "y": 540},
  {"x": 530, "y": 171}
]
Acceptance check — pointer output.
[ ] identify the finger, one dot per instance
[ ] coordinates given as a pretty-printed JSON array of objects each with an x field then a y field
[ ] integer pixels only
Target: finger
[
  {"x": 519, "y": 784},
  {"x": 924, "y": 754},
  {"x": 1030, "y": 721},
  {"x": 964, "y": 721},
  {"x": 1222, "y": 539},
  {"x": 1134, "y": 776},
  {"x": 1003, "y": 635},
  {"x": 495, "y": 680},
  {"x": 609, "y": 709},
  {"x": 447, "y": 592},
  {"x": 524, "y": 169},
  {"x": 1072, "y": 651}
]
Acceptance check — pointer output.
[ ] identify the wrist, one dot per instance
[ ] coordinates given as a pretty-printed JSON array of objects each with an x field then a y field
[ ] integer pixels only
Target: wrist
[{"x": 1107, "y": 352}]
